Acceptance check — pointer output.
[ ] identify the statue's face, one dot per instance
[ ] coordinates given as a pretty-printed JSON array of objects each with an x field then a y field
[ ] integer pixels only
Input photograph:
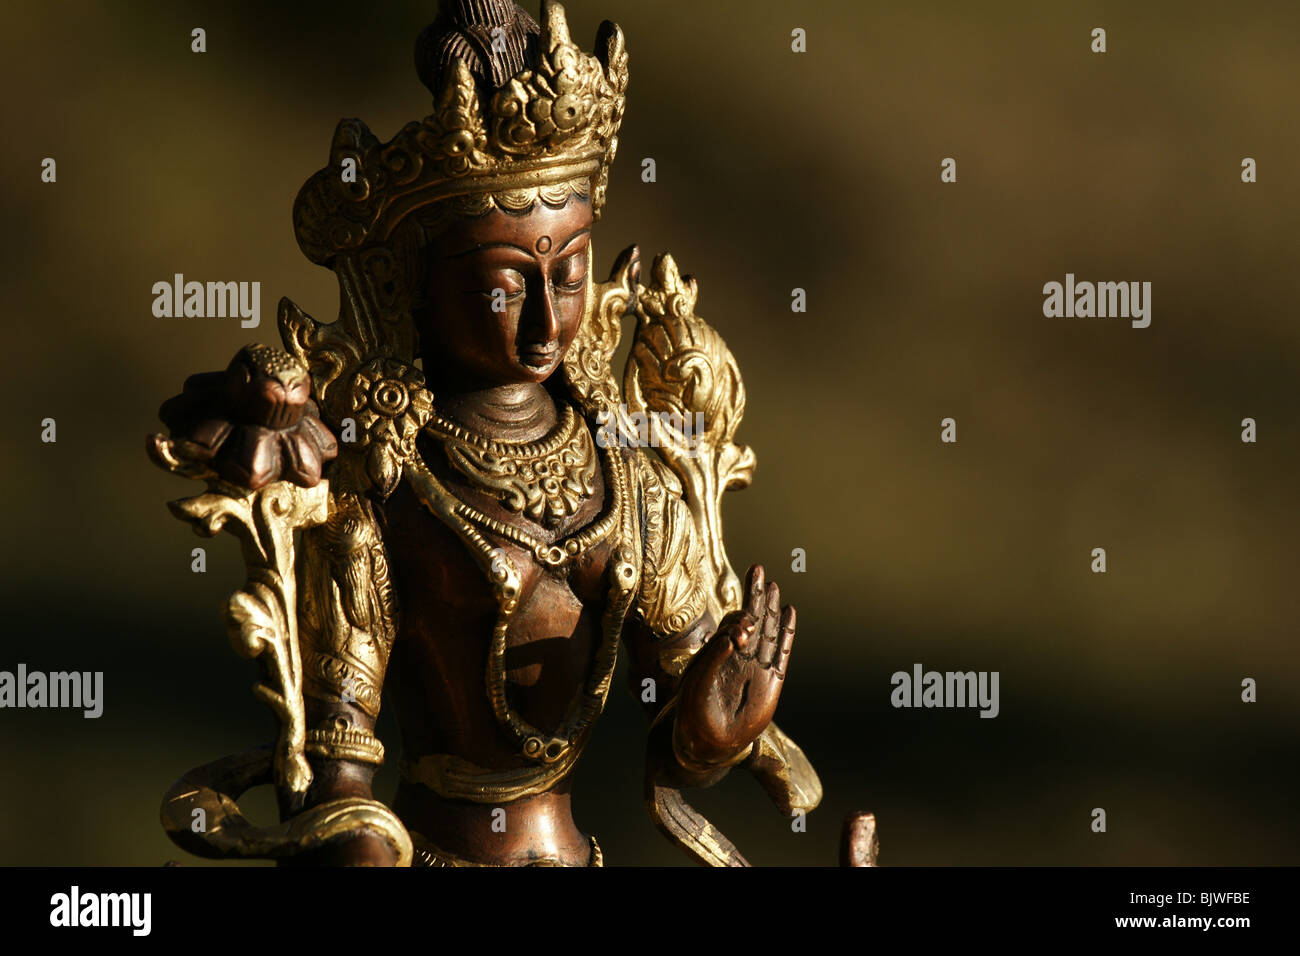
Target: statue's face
[{"x": 506, "y": 294}]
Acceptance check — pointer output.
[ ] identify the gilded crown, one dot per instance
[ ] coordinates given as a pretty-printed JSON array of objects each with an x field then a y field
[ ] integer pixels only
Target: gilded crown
[{"x": 554, "y": 121}]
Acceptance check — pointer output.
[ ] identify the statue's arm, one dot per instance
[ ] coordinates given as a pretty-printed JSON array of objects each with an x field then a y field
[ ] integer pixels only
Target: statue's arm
[
  {"x": 317, "y": 611},
  {"x": 684, "y": 393},
  {"x": 655, "y": 677},
  {"x": 710, "y": 687},
  {"x": 347, "y": 623},
  {"x": 710, "y": 690}
]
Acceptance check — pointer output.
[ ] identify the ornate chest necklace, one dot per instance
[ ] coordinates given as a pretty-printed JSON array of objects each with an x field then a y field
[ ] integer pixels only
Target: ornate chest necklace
[{"x": 547, "y": 480}]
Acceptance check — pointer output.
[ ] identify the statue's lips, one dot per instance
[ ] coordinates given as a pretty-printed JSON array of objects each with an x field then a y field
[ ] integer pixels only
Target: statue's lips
[{"x": 539, "y": 356}]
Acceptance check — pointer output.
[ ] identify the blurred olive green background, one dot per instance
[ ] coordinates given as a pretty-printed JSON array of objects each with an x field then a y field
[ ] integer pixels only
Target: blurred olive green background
[{"x": 775, "y": 171}]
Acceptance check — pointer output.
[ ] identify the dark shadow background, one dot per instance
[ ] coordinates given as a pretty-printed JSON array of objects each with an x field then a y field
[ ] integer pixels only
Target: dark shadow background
[{"x": 775, "y": 170}]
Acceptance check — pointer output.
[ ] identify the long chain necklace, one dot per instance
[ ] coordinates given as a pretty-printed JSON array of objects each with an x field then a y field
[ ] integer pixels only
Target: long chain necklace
[{"x": 561, "y": 747}]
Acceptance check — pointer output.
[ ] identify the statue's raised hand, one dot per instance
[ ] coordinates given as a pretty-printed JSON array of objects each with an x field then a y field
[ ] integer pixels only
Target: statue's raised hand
[
  {"x": 250, "y": 425},
  {"x": 730, "y": 690}
]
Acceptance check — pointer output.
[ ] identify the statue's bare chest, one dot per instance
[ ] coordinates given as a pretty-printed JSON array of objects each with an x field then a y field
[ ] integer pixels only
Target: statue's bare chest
[{"x": 448, "y": 608}]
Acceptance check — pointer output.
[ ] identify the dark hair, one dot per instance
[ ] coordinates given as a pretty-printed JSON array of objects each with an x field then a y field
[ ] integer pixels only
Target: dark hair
[{"x": 494, "y": 38}]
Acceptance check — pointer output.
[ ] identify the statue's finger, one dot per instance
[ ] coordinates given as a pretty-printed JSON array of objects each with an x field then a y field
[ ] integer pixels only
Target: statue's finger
[
  {"x": 772, "y": 612},
  {"x": 787, "y": 640},
  {"x": 745, "y": 635},
  {"x": 755, "y": 582},
  {"x": 769, "y": 642}
]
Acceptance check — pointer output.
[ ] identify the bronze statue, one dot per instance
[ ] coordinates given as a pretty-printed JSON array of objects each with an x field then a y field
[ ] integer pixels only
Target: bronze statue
[{"x": 484, "y": 514}]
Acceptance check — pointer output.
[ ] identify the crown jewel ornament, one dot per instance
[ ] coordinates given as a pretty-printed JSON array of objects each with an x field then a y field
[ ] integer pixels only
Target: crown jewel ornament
[{"x": 554, "y": 123}]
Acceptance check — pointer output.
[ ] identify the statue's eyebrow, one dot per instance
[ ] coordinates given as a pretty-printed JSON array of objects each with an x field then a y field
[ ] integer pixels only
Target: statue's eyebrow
[
  {"x": 565, "y": 245},
  {"x": 489, "y": 245},
  {"x": 510, "y": 245}
]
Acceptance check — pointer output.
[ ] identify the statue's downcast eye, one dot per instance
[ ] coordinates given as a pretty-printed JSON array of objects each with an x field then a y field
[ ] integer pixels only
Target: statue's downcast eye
[{"x": 571, "y": 273}]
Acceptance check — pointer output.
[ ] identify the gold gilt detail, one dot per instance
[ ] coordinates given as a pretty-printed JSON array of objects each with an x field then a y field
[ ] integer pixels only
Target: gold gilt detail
[
  {"x": 673, "y": 593},
  {"x": 344, "y": 742},
  {"x": 552, "y": 124},
  {"x": 546, "y": 480},
  {"x": 679, "y": 368},
  {"x": 347, "y": 610}
]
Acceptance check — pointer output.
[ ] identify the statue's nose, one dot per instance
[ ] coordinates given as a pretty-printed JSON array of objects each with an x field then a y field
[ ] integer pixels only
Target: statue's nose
[{"x": 543, "y": 326}]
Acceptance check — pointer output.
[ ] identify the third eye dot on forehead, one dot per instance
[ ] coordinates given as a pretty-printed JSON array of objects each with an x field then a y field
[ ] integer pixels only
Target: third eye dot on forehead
[{"x": 544, "y": 244}]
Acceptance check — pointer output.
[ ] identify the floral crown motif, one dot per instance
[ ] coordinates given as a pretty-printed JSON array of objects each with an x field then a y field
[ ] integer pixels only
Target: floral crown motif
[{"x": 554, "y": 122}]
